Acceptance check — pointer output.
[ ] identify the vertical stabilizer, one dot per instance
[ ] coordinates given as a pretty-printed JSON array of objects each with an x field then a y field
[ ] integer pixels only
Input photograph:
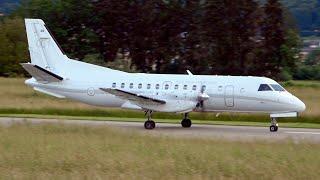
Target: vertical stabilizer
[{"x": 44, "y": 50}]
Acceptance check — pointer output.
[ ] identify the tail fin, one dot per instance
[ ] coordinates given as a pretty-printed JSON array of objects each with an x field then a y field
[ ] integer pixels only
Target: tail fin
[{"x": 44, "y": 50}]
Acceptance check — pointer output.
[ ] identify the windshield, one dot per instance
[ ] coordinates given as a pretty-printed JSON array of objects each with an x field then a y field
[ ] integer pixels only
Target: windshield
[
  {"x": 277, "y": 87},
  {"x": 264, "y": 87}
]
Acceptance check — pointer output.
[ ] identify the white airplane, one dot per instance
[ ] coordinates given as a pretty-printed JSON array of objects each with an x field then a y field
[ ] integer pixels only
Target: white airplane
[{"x": 53, "y": 73}]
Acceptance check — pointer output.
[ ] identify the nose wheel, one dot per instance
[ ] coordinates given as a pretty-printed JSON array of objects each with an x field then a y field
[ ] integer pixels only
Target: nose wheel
[
  {"x": 186, "y": 122},
  {"x": 274, "y": 125}
]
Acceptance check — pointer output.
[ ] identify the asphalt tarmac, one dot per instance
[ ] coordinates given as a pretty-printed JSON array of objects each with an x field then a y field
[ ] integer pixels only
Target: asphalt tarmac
[{"x": 232, "y": 133}]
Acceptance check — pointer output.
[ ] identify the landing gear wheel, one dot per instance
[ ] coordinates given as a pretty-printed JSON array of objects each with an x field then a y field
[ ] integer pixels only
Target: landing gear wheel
[
  {"x": 274, "y": 125},
  {"x": 186, "y": 123},
  {"x": 149, "y": 125},
  {"x": 273, "y": 128}
]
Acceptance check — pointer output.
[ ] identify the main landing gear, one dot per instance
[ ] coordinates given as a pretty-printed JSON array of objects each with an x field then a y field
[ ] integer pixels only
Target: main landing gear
[
  {"x": 274, "y": 125},
  {"x": 186, "y": 122},
  {"x": 149, "y": 124}
]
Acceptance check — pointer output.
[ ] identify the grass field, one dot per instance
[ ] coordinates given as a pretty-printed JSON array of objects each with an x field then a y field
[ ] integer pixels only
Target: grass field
[
  {"x": 75, "y": 152},
  {"x": 16, "y": 98}
]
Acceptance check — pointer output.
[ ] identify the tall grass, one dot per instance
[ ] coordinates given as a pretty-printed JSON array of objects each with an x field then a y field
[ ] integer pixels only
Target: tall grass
[
  {"x": 15, "y": 94},
  {"x": 57, "y": 151}
]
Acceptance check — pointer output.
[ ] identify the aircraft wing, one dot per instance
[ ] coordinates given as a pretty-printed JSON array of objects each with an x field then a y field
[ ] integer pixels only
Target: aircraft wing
[
  {"x": 139, "y": 99},
  {"x": 41, "y": 74}
]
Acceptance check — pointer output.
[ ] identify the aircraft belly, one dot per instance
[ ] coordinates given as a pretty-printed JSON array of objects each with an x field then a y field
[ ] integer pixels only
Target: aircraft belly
[
  {"x": 96, "y": 99},
  {"x": 177, "y": 106}
]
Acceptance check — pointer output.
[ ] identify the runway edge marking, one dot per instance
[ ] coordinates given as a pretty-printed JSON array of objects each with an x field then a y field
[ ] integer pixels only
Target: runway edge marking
[{"x": 313, "y": 133}]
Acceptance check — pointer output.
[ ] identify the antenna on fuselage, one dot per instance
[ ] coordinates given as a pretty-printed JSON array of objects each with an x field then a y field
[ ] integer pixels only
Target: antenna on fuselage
[{"x": 189, "y": 73}]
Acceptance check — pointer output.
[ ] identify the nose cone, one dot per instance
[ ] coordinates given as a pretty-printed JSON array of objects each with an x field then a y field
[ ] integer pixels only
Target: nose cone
[{"x": 299, "y": 105}]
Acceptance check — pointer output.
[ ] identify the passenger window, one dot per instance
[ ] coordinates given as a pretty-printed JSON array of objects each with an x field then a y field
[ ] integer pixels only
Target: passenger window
[
  {"x": 185, "y": 87},
  {"x": 131, "y": 85},
  {"x": 264, "y": 87},
  {"x": 166, "y": 87},
  {"x": 277, "y": 87},
  {"x": 122, "y": 85},
  {"x": 148, "y": 86},
  {"x": 140, "y": 86},
  {"x": 157, "y": 86},
  {"x": 176, "y": 86},
  {"x": 220, "y": 88},
  {"x": 114, "y": 85},
  {"x": 194, "y": 87}
]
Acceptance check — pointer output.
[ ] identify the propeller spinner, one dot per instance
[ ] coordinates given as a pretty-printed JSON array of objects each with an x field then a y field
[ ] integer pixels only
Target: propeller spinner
[{"x": 202, "y": 97}]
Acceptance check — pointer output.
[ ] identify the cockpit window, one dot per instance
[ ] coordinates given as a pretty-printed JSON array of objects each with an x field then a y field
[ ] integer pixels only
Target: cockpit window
[
  {"x": 264, "y": 87},
  {"x": 277, "y": 87}
]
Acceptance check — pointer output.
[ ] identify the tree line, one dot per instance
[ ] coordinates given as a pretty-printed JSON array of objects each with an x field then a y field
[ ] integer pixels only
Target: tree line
[{"x": 225, "y": 37}]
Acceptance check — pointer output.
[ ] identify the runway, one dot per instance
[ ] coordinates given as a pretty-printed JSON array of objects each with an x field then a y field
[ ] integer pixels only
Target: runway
[{"x": 233, "y": 133}]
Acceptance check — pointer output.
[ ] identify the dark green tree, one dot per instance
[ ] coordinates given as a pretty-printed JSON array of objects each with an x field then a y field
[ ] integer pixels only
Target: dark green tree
[
  {"x": 273, "y": 33},
  {"x": 231, "y": 29},
  {"x": 13, "y": 47},
  {"x": 207, "y": 37},
  {"x": 68, "y": 20},
  {"x": 150, "y": 31}
]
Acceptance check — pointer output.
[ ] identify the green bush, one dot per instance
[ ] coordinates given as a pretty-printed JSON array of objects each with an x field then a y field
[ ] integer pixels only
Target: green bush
[
  {"x": 288, "y": 84},
  {"x": 313, "y": 58},
  {"x": 308, "y": 73},
  {"x": 285, "y": 76}
]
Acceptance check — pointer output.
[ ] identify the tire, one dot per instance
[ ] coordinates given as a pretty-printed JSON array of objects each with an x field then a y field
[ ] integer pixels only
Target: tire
[
  {"x": 273, "y": 128},
  {"x": 149, "y": 125},
  {"x": 186, "y": 123}
]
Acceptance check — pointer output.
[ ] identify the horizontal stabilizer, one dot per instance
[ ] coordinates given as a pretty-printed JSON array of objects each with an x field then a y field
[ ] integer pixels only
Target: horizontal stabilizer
[
  {"x": 40, "y": 74},
  {"x": 133, "y": 97}
]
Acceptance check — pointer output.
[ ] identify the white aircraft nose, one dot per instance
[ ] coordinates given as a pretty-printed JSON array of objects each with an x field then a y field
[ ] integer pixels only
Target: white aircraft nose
[{"x": 299, "y": 105}]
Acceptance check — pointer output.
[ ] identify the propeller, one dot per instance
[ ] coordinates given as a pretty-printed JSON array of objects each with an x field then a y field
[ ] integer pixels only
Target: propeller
[{"x": 202, "y": 97}]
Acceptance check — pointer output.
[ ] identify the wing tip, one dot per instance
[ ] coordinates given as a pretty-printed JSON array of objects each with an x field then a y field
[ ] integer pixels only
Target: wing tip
[{"x": 32, "y": 21}]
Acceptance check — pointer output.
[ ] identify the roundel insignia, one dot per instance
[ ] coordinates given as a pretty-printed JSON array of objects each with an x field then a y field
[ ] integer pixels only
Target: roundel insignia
[{"x": 90, "y": 92}]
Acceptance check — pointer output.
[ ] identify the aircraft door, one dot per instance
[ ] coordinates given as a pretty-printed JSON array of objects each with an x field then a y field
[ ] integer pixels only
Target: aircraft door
[{"x": 229, "y": 96}]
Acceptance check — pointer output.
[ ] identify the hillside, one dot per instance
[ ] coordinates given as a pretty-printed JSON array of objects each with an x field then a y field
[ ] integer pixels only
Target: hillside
[
  {"x": 8, "y": 5},
  {"x": 306, "y": 12}
]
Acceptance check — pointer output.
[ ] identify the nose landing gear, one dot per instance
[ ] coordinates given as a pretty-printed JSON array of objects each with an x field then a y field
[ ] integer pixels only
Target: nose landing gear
[{"x": 274, "y": 125}]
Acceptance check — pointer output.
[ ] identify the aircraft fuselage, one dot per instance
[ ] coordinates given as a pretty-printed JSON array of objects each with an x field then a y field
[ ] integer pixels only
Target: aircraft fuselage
[{"x": 225, "y": 93}]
